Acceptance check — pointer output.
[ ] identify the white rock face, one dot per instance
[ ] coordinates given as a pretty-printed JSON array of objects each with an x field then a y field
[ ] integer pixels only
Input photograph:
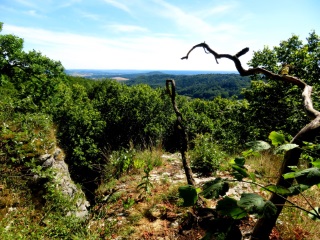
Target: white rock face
[{"x": 64, "y": 183}]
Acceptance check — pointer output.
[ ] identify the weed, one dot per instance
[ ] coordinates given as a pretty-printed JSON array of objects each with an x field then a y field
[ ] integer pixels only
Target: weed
[
  {"x": 206, "y": 156},
  {"x": 128, "y": 203},
  {"x": 145, "y": 186}
]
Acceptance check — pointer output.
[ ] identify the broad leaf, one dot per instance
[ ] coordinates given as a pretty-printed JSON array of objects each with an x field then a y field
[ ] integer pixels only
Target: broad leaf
[
  {"x": 285, "y": 147},
  {"x": 258, "y": 145},
  {"x": 251, "y": 202},
  {"x": 277, "y": 189},
  {"x": 228, "y": 207},
  {"x": 315, "y": 217},
  {"x": 297, "y": 189},
  {"x": 215, "y": 188},
  {"x": 240, "y": 161},
  {"x": 309, "y": 176},
  {"x": 250, "y": 152},
  {"x": 289, "y": 175},
  {"x": 255, "y": 204},
  {"x": 189, "y": 195},
  {"x": 276, "y": 138},
  {"x": 269, "y": 210},
  {"x": 316, "y": 163},
  {"x": 239, "y": 172}
]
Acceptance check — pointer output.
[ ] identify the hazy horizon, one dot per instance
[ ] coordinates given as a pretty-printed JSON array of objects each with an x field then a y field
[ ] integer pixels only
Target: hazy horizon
[{"x": 137, "y": 34}]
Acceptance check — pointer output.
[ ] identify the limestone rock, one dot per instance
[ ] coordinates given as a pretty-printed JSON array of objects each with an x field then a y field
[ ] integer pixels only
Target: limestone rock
[{"x": 62, "y": 180}]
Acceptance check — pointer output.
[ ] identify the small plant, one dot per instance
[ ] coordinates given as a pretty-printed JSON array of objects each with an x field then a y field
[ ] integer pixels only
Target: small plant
[
  {"x": 122, "y": 161},
  {"x": 128, "y": 203},
  {"x": 206, "y": 156},
  {"x": 145, "y": 186}
]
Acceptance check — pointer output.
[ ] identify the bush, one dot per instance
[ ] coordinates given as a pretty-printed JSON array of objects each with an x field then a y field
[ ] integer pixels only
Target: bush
[{"x": 206, "y": 156}]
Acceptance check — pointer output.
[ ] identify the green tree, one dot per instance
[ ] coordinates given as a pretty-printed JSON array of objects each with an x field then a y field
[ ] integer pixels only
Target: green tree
[
  {"x": 274, "y": 105},
  {"x": 33, "y": 75}
]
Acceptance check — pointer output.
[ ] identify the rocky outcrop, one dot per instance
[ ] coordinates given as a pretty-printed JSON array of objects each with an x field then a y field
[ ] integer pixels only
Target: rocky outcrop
[{"x": 63, "y": 182}]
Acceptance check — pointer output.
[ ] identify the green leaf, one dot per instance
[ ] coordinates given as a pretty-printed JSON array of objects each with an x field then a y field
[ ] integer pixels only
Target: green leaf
[
  {"x": 228, "y": 207},
  {"x": 289, "y": 175},
  {"x": 276, "y": 138},
  {"x": 251, "y": 202},
  {"x": 215, "y": 188},
  {"x": 297, "y": 189},
  {"x": 277, "y": 189},
  {"x": 252, "y": 177},
  {"x": 285, "y": 147},
  {"x": 316, "y": 163},
  {"x": 240, "y": 161},
  {"x": 309, "y": 176},
  {"x": 255, "y": 204},
  {"x": 250, "y": 152},
  {"x": 269, "y": 210},
  {"x": 189, "y": 195},
  {"x": 239, "y": 172},
  {"x": 316, "y": 212},
  {"x": 258, "y": 145}
]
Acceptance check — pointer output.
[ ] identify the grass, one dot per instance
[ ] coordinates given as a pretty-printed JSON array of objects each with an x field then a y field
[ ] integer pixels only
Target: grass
[
  {"x": 119, "y": 211},
  {"x": 292, "y": 222}
]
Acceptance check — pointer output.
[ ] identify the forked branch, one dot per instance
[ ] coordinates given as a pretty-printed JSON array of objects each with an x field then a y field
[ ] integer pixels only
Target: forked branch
[
  {"x": 311, "y": 112},
  {"x": 308, "y": 133}
]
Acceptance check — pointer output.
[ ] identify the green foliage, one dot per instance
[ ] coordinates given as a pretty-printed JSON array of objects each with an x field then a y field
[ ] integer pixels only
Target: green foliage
[
  {"x": 121, "y": 161},
  {"x": 278, "y": 141},
  {"x": 277, "y": 105},
  {"x": 258, "y": 146},
  {"x": 189, "y": 195},
  {"x": 276, "y": 138},
  {"x": 277, "y": 189},
  {"x": 221, "y": 118},
  {"x": 239, "y": 170},
  {"x": 206, "y": 156},
  {"x": 315, "y": 214},
  {"x": 145, "y": 186},
  {"x": 254, "y": 203},
  {"x": 229, "y": 207},
  {"x": 202, "y": 86},
  {"x": 128, "y": 203},
  {"x": 215, "y": 188}
]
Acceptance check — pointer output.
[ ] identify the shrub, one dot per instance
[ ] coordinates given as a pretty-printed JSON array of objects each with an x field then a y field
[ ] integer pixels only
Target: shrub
[{"x": 206, "y": 156}]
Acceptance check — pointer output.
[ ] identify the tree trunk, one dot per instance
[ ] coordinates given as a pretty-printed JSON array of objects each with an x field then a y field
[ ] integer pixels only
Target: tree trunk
[
  {"x": 180, "y": 129},
  {"x": 264, "y": 226}
]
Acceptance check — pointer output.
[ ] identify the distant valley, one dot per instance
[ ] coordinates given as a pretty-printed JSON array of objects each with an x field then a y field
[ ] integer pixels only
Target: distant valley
[{"x": 195, "y": 84}]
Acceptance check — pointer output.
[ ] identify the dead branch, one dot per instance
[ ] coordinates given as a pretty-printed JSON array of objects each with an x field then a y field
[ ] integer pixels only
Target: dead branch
[
  {"x": 181, "y": 131},
  {"x": 311, "y": 112},
  {"x": 308, "y": 133},
  {"x": 250, "y": 71}
]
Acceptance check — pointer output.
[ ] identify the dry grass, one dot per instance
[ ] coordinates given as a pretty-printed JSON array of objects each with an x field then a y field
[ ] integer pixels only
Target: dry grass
[{"x": 292, "y": 223}]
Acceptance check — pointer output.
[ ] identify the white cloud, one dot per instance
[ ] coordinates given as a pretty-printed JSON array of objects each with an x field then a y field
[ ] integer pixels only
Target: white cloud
[
  {"x": 142, "y": 52},
  {"x": 118, "y": 5},
  {"x": 194, "y": 24},
  {"x": 216, "y": 10},
  {"x": 126, "y": 28},
  {"x": 88, "y": 15}
]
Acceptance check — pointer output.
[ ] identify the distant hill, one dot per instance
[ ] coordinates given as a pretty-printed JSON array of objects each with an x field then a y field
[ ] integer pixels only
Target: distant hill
[
  {"x": 204, "y": 86},
  {"x": 195, "y": 84}
]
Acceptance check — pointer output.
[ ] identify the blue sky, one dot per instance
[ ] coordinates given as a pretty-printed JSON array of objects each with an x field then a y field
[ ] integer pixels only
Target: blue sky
[{"x": 154, "y": 34}]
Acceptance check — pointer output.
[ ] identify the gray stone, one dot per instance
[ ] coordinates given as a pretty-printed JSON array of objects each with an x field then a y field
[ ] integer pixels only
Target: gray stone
[
  {"x": 48, "y": 163},
  {"x": 44, "y": 157},
  {"x": 64, "y": 182}
]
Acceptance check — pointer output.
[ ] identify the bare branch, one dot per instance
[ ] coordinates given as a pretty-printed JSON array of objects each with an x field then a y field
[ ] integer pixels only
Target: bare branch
[
  {"x": 264, "y": 226},
  {"x": 311, "y": 112},
  {"x": 250, "y": 71}
]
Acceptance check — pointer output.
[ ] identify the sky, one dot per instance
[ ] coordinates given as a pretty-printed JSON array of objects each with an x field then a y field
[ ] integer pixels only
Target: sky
[{"x": 155, "y": 34}]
